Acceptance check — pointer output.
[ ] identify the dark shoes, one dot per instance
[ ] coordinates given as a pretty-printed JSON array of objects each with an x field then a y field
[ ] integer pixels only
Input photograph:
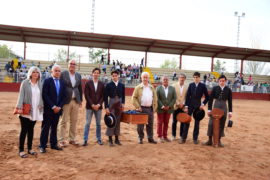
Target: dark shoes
[
  {"x": 152, "y": 141},
  {"x": 57, "y": 148},
  {"x": 85, "y": 143},
  {"x": 140, "y": 141},
  {"x": 208, "y": 143},
  {"x": 111, "y": 143},
  {"x": 117, "y": 142},
  {"x": 167, "y": 140},
  {"x": 42, "y": 150},
  {"x": 100, "y": 142},
  {"x": 22, "y": 154},
  {"x": 195, "y": 141},
  {"x": 182, "y": 141},
  {"x": 31, "y": 152},
  {"x": 220, "y": 144}
]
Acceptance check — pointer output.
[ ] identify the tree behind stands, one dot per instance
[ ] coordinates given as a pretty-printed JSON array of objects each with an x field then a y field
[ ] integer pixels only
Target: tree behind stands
[
  {"x": 6, "y": 52},
  {"x": 61, "y": 55}
]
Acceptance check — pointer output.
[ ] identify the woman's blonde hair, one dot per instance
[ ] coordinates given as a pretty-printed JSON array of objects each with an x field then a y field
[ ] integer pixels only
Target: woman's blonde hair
[{"x": 31, "y": 70}]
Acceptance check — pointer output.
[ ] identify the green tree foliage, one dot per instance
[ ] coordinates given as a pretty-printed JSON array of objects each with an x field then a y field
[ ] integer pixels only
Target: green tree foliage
[
  {"x": 61, "y": 55},
  {"x": 169, "y": 64},
  {"x": 6, "y": 52},
  {"x": 95, "y": 54},
  {"x": 219, "y": 66}
]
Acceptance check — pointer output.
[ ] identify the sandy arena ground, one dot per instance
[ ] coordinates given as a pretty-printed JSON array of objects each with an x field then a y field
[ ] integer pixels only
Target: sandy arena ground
[{"x": 246, "y": 154}]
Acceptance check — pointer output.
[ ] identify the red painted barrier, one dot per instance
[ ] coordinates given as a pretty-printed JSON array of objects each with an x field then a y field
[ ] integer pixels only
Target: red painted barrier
[{"x": 15, "y": 87}]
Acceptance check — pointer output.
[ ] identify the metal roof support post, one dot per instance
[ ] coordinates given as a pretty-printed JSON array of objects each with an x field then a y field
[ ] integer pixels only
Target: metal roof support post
[
  {"x": 212, "y": 64},
  {"x": 68, "y": 54},
  {"x": 24, "y": 50},
  {"x": 145, "y": 59},
  {"x": 242, "y": 63},
  {"x": 180, "y": 62},
  {"x": 109, "y": 55}
]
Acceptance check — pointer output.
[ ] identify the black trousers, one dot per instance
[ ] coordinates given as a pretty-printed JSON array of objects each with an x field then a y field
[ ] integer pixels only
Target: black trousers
[
  {"x": 50, "y": 122},
  {"x": 149, "y": 126},
  {"x": 27, "y": 128},
  {"x": 196, "y": 129},
  {"x": 174, "y": 123}
]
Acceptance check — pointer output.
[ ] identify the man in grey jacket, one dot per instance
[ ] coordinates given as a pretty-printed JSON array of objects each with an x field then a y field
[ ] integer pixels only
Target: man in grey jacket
[{"x": 73, "y": 85}]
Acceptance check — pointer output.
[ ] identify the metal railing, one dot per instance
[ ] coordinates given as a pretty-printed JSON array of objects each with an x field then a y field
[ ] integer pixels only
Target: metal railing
[{"x": 17, "y": 77}]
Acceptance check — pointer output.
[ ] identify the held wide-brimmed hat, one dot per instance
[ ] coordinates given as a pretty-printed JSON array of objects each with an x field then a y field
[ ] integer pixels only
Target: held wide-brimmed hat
[
  {"x": 183, "y": 117},
  {"x": 110, "y": 120},
  {"x": 198, "y": 114}
]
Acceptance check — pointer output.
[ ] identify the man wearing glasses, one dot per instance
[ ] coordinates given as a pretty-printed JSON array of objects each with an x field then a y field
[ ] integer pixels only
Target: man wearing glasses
[
  {"x": 195, "y": 92},
  {"x": 72, "y": 81}
]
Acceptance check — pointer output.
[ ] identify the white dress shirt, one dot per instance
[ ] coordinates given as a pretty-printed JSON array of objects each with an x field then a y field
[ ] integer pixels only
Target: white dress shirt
[
  {"x": 166, "y": 90},
  {"x": 95, "y": 85},
  {"x": 147, "y": 97}
]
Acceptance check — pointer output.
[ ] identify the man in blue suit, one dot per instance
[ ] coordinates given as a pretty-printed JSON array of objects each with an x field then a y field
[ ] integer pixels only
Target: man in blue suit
[
  {"x": 53, "y": 94},
  {"x": 195, "y": 92}
]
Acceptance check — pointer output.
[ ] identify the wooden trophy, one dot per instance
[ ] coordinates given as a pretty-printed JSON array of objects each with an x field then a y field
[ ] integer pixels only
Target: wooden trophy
[{"x": 216, "y": 114}]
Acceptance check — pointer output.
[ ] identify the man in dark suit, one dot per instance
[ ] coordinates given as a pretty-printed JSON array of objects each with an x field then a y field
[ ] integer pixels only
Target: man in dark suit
[
  {"x": 93, "y": 92},
  {"x": 53, "y": 94},
  {"x": 114, "y": 99},
  {"x": 195, "y": 92},
  {"x": 72, "y": 80}
]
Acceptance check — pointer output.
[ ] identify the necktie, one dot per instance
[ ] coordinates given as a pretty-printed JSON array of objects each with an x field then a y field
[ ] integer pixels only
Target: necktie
[{"x": 57, "y": 86}]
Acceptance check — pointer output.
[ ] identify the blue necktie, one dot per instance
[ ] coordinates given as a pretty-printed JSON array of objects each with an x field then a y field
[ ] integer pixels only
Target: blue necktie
[{"x": 57, "y": 86}]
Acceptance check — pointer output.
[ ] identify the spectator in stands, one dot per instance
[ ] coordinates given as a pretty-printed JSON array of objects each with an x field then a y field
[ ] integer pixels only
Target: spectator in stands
[
  {"x": 39, "y": 65},
  {"x": 104, "y": 67},
  {"x": 174, "y": 75},
  {"x": 113, "y": 63},
  {"x": 102, "y": 59},
  {"x": 23, "y": 66},
  {"x": 19, "y": 62},
  {"x": 265, "y": 87},
  {"x": 30, "y": 94},
  {"x": 204, "y": 78},
  {"x": 142, "y": 60},
  {"x": 8, "y": 67},
  {"x": 32, "y": 63},
  {"x": 108, "y": 62}
]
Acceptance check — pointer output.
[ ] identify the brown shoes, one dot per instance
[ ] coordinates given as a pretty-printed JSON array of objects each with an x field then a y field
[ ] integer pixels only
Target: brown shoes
[
  {"x": 74, "y": 143},
  {"x": 62, "y": 144}
]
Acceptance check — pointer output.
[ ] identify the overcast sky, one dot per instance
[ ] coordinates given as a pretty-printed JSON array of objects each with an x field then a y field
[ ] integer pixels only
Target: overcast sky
[{"x": 199, "y": 21}]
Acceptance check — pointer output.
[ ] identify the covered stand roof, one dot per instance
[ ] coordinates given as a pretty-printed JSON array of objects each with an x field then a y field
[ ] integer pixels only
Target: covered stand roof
[{"x": 83, "y": 39}]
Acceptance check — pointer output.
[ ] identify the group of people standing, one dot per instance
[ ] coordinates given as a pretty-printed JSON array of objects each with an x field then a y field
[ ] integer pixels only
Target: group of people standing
[{"x": 56, "y": 103}]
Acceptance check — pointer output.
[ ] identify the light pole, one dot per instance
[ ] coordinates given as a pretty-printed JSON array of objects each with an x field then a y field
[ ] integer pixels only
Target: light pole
[{"x": 238, "y": 34}]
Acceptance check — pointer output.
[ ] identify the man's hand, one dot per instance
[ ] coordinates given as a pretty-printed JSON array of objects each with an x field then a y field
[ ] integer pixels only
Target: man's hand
[
  {"x": 186, "y": 109},
  {"x": 139, "y": 109},
  {"x": 107, "y": 111},
  {"x": 201, "y": 107},
  {"x": 56, "y": 110},
  {"x": 230, "y": 115},
  {"x": 181, "y": 106},
  {"x": 166, "y": 108},
  {"x": 209, "y": 114},
  {"x": 123, "y": 107}
]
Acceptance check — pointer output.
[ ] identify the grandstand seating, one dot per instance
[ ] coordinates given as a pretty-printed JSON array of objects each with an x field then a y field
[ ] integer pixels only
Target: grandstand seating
[{"x": 86, "y": 68}]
